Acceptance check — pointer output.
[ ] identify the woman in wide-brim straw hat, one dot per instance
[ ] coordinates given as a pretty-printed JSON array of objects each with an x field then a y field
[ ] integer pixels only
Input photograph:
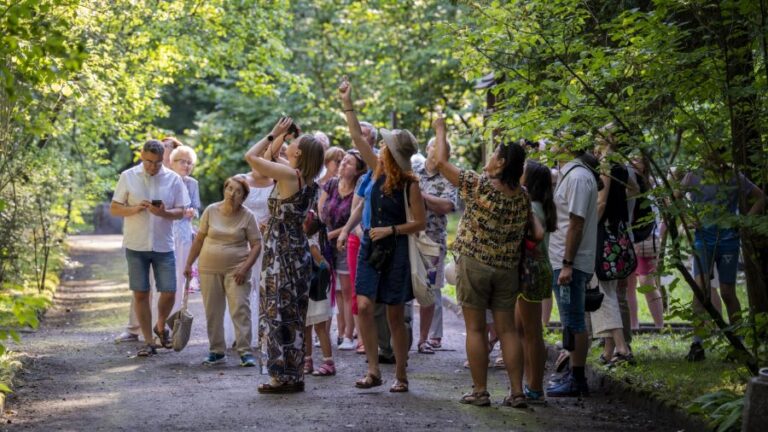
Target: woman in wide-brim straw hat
[{"x": 385, "y": 281}]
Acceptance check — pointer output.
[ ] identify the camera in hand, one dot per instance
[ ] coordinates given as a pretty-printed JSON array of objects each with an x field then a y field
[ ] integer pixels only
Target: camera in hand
[
  {"x": 293, "y": 130},
  {"x": 380, "y": 253},
  {"x": 157, "y": 203}
]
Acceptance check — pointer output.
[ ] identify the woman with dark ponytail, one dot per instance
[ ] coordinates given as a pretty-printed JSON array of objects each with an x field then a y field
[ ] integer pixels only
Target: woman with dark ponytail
[{"x": 487, "y": 244}]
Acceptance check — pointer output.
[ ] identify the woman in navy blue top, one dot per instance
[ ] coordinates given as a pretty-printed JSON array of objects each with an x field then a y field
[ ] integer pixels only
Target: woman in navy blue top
[{"x": 383, "y": 268}]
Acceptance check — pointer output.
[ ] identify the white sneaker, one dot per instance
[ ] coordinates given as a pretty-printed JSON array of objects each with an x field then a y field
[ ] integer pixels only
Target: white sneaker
[
  {"x": 126, "y": 337},
  {"x": 347, "y": 345}
]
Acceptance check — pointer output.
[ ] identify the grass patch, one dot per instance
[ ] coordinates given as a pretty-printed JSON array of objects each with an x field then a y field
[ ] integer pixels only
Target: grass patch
[
  {"x": 9, "y": 365},
  {"x": 662, "y": 370}
]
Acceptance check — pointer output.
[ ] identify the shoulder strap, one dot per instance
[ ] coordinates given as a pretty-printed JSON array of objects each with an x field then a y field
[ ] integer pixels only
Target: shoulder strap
[
  {"x": 562, "y": 179},
  {"x": 298, "y": 174}
]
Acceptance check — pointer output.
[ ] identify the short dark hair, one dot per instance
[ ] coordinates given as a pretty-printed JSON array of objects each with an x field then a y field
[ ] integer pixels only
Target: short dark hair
[{"x": 153, "y": 146}]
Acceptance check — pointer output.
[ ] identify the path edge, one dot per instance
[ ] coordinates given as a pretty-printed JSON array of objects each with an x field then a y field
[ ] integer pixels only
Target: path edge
[{"x": 643, "y": 400}]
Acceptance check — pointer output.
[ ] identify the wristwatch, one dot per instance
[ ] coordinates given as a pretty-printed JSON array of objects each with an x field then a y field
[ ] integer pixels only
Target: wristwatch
[
  {"x": 567, "y": 263},
  {"x": 270, "y": 138},
  {"x": 394, "y": 230}
]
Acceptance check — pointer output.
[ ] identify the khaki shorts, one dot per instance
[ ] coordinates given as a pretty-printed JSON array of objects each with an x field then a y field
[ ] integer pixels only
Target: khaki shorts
[{"x": 483, "y": 286}]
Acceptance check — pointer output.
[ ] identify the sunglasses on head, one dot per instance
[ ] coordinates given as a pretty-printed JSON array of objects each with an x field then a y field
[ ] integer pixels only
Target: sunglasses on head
[{"x": 356, "y": 154}]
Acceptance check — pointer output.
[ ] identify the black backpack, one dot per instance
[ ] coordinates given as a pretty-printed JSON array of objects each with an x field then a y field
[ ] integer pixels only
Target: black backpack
[{"x": 643, "y": 219}]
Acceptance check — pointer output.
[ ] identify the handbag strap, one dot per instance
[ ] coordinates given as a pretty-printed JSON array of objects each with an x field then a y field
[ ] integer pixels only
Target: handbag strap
[
  {"x": 407, "y": 203},
  {"x": 185, "y": 300}
]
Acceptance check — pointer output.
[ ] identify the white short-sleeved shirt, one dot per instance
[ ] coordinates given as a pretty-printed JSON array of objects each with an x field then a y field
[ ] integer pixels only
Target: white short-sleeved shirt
[
  {"x": 145, "y": 232},
  {"x": 575, "y": 193}
]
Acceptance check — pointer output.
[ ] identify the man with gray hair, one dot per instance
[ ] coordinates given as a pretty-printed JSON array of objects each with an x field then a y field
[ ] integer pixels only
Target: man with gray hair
[{"x": 150, "y": 197}]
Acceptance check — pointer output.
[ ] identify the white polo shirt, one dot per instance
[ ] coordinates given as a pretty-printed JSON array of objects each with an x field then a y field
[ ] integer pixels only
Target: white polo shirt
[{"x": 145, "y": 232}]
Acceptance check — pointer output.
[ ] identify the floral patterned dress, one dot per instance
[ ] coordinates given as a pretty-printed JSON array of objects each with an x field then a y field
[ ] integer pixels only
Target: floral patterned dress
[{"x": 284, "y": 289}]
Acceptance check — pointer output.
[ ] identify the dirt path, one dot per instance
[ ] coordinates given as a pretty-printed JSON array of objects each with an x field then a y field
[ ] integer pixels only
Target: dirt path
[{"x": 77, "y": 379}]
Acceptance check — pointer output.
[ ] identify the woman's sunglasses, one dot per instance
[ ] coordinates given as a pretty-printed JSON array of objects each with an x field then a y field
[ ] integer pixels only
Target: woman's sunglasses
[{"x": 356, "y": 154}]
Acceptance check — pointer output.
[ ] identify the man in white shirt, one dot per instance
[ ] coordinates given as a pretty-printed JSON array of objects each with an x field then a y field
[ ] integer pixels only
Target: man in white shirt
[
  {"x": 150, "y": 197},
  {"x": 572, "y": 255}
]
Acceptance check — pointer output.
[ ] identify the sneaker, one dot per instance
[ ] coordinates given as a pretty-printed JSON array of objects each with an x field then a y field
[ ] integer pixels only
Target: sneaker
[
  {"x": 246, "y": 360},
  {"x": 569, "y": 388},
  {"x": 214, "y": 359},
  {"x": 557, "y": 379},
  {"x": 347, "y": 345},
  {"x": 696, "y": 353},
  {"x": 126, "y": 337},
  {"x": 534, "y": 397}
]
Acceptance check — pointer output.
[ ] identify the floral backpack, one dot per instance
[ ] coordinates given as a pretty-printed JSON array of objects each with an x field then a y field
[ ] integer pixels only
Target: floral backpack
[{"x": 616, "y": 257}]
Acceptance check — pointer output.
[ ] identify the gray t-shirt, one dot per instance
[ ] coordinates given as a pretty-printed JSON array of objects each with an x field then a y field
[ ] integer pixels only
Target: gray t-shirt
[{"x": 575, "y": 193}]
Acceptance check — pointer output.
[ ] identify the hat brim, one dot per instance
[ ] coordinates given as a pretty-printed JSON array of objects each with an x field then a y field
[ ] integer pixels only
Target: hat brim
[{"x": 391, "y": 142}]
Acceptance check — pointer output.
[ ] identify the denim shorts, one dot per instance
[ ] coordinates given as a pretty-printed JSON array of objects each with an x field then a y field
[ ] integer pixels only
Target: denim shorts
[
  {"x": 163, "y": 265},
  {"x": 724, "y": 257},
  {"x": 572, "y": 309}
]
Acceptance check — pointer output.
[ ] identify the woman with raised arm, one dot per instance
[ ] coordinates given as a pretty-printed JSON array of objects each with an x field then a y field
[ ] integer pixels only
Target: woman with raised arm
[
  {"x": 488, "y": 248},
  {"x": 383, "y": 267},
  {"x": 287, "y": 262}
]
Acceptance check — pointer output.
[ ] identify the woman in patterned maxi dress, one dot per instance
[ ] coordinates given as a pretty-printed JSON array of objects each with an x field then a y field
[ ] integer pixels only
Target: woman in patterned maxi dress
[{"x": 286, "y": 264}]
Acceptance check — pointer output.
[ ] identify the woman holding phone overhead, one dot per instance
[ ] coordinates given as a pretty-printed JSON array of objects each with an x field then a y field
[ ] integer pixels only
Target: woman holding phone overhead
[{"x": 287, "y": 263}]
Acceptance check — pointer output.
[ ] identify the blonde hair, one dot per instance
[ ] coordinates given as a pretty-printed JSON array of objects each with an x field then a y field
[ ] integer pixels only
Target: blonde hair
[
  {"x": 333, "y": 153},
  {"x": 184, "y": 150}
]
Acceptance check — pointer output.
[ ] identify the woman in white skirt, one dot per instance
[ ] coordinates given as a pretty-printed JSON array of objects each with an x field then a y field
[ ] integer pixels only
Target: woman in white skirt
[
  {"x": 612, "y": 211},
  {"x": 320, "y": 311}
]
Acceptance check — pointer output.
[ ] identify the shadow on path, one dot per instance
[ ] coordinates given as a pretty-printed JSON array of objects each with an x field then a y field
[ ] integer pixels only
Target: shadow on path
[{"x": 77, "y": 379}]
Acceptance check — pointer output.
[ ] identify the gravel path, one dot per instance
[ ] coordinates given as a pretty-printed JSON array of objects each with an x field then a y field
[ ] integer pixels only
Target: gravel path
[{"x": 77, "y": 379}]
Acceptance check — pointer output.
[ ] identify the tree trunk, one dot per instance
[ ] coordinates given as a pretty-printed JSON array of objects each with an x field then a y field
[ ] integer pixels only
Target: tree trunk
[{"x": 746, "y": 146}]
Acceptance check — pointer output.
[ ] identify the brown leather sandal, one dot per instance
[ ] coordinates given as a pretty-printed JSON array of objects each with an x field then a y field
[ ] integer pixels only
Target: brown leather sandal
[
  {"x": 270, "y": 388},
  {"x": 400, "y": 386},
  {"x": 515, "y": 401},
  {"x": 368, "y": 381}
]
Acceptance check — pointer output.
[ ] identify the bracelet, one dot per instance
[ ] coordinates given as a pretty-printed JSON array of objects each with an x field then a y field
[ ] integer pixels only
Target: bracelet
[{"x": 394, "y": 230}]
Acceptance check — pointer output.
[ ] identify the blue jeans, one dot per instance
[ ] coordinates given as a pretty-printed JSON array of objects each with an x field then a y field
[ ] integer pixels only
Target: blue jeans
[
  {"x": 163, "y": 265},
  {"x": 572, "y": 309},
  {"x": 725, "y": 257}
]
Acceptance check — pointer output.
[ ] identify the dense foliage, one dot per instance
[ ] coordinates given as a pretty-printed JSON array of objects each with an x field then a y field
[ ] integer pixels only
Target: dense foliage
[
  {"x": 393, "y": 51},
  {"x": 80, "y": 84}
]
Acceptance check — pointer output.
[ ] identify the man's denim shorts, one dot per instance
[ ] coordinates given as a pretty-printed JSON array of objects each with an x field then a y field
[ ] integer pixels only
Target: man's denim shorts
[
  {"x": 163, "y": 265},
  {"x": 725, "y": 258},
  {"x": 572, "y": 309}
]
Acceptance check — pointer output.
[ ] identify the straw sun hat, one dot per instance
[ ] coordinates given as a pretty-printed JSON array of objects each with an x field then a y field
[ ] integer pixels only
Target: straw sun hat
[{"x": 402, "y": 145}]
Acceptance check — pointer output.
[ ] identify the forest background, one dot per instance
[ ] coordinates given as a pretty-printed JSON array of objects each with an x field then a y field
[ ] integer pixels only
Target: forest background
[{"x": 84, "y": 83}]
